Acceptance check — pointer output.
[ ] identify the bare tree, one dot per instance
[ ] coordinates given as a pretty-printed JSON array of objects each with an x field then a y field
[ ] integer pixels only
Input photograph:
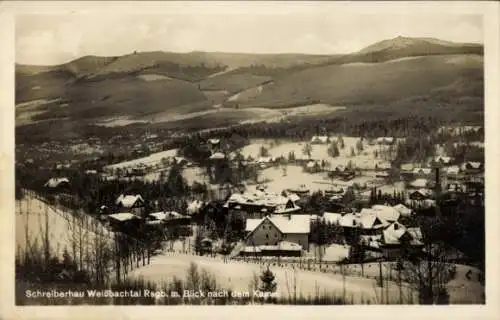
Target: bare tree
[{"x": 428, "y": 274}]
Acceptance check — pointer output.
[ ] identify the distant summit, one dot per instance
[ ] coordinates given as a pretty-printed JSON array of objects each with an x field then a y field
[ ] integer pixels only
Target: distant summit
[{"x": 418, "y": 44}]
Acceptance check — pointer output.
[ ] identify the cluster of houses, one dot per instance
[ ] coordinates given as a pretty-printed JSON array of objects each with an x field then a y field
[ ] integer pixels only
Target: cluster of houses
[
  {"x": 377, "y": 229},
  {"x": 259, "y": 203},
  {"x": 130, "y": 212},
  {"x": 328, "y": 139}
]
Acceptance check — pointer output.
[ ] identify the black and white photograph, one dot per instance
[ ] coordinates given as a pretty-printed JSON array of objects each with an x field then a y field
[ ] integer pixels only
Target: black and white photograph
[{"x": 250, "y": 154}]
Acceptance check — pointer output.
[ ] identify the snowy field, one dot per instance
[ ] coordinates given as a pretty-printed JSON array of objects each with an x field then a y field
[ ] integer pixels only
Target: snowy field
[
  {"x": 365, "y": 160},
  {"x": 295, "y": 176},
  {"x": 32, "y": 217},
  {"x": 238, "y": 276},
  {"x": 151, "y": 160}
]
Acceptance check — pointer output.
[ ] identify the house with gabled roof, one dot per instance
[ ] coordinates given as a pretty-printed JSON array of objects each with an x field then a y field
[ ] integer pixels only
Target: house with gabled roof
[
  {"x": 131, "y": 203},
  {"x": 396, "y": 239},
  {"x": 421, "y": 194},
  {"x": 259, "y": 203},
  {"x": 123, "y": 221},
  {"x": 271, "y": 230}
]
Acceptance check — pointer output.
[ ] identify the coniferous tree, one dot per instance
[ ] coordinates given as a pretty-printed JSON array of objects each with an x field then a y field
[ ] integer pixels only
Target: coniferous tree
[{"x": 268, "y": 283}]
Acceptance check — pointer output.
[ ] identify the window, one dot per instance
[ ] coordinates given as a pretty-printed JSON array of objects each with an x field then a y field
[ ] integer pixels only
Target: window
[
  {"x": 275, "y": 235},
  {"x": 267, "y": 236}
]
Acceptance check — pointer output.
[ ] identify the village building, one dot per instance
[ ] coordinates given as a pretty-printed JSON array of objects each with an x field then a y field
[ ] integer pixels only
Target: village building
[
  {"x": 386, "y": 213},
  {"x": 452, "y": 171},
  {"x": 300, "y": 191},
  {"x": 320, "y": 140},
  {"x": 272, "y": 230},
  {"x": 421, "y": 172},
  {"x": 260, "y": 203},
  {"x": 471, "y": 167},
  {"x": 169, "y": 218},
  {"x": 265, "y": 162},
  {"x": 407, "y": 168},
  {"x": 403, "y": 210},
  {"x": 396, "y": 239},
  {"x": 441, "y": 160},
  {"x": 343, "y": 172},
  {"x": 131, "y": 203},
  {"x": 312, "y": 166},
  {"x": 217, "y": 156},
  {"x": 124, "y": 221},
  {"x": 57, "y": 183},
  {"x": 419, "y": 183},
  {"x": 385, "y": 140},
  {"x": 421, "y": 194}
]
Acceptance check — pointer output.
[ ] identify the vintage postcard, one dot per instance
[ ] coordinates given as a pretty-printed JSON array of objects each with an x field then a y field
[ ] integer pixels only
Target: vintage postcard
[{"x": 258, "y": 154}]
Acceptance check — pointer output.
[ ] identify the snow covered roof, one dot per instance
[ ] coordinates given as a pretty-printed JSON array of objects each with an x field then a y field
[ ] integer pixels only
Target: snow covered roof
[
  {"x": 443, "y": 159},
  {"x": 386, "y": 213},
  {"x": 55, "y": 182},
  {"x": 407, "y": 167},
  {"x": 349, "y": 220},
  {"x": 289, "y": 246},
  {"x": 393, "y": 233},
  {"x": 470, "y": 164},
  {"x": 311, "y": 164},
  {"x": 422, "y": 170},
  {"x": 452, "y": 170},
  {"x": 194, "y": 206},
  {"x": 385, "y": 140},
  {"x": 167, "y": 215},
  {"x": 419, "y": 183},
  {"x": 371, "y": 221},
  {"x": 384, "y": 165},
  {"x": 128, "y": 201},
  {"x": 322, "y": 139},
  {"x": 424, "y": 192},
  {"x": 125, "y": 216},
  {"x": 265, "y": 159},
  {"x": 251, "y": 249},
  {"x": 403, "y": 210},
  {"x": 294, "y": 197},
  {"x": 259, "y": 197},
  {"x": 217, "y": 156},
  {"x": 285, "y": 224}
]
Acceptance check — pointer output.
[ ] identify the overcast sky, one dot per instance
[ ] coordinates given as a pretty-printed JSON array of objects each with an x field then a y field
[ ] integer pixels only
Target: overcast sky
[{"x": 53, "y": 39}]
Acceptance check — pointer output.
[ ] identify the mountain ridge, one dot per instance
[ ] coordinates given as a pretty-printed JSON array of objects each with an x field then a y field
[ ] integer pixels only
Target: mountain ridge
[{"x": 158, "y": 82}]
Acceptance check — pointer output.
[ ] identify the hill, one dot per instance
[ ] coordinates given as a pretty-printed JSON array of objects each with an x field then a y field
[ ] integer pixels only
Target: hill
[
  {"x": 401, "y": 47},
  {"x": 407, "y": 73},
  {"x": 127, "y": 96},
  {"x": 425, "y": 77}
]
